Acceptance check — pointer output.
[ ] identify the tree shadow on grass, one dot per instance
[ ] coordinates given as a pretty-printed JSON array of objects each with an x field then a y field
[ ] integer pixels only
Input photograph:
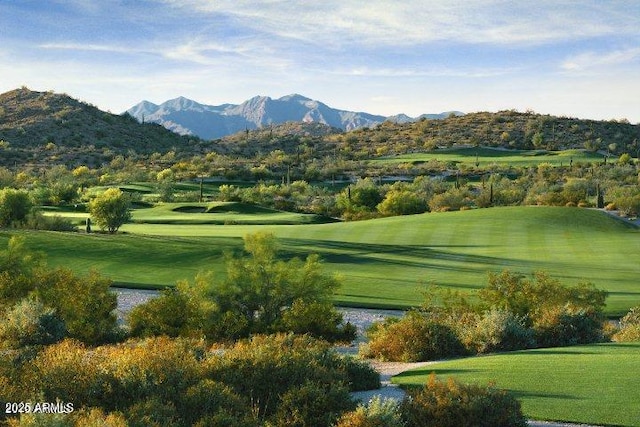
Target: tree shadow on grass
[{"x": 416, "y": 256}]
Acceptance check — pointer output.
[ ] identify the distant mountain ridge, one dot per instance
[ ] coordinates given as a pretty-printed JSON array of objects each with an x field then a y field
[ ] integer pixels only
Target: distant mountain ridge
[{"x": 188, "y": 117}]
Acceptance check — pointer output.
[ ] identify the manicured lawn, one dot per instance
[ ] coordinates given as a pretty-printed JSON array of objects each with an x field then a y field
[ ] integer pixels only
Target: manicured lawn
[
  {"x": 487, "y": 156},
  {"x": 595, "y": 384},
  {"x": 205, "y": 213},
  {"x": 384, "y": 262},
  {"x": 219, "y": 213}
]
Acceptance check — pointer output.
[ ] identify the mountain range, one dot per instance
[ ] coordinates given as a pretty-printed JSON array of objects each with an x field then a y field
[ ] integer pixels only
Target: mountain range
[{"x": 187, "y": 117}]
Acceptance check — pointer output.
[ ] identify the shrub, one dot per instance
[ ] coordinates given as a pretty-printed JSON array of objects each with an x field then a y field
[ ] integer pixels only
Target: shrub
[
  {"x": 30, "y": 323},
  {"x": 560, "y": 326},
  {"x": 532, "y": 298},
  {"x": 414, "y": 338},
  {"x": 85, "y": 304},
  {"x": 209, "y": 400},
  {"x": 170, "y": 314},
  {"x": 95, "y": 417},
  {"x": 498, "y": 330},
  {"x": 14, "y": 206},
  {"x": 361, "y": 375},
  {"x": 450, "y": 404},
  {"x": 629, "y": 326},
  {"x": 264, "y": 368},
  {"x": 152, "y": 413},
  {"x": 312, "y": 405},
  {"x": 452, "y": 200},
  {"x": 66, "y": 371},
  {"x": 319, "y": 319},
  {"x": 37, "y": 221},
  {"x": 377, "y": 413},
  {"x": 42, "y": 420}
]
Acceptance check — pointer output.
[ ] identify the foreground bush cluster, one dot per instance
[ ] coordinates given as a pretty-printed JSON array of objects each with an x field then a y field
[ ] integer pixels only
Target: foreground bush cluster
[
  {"x": 513, "y": 313},
  {"x": 278, "y": 380}
]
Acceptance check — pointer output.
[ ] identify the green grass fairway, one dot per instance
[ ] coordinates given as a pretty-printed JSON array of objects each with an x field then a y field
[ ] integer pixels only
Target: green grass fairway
[
  {"x": 488, "y": 156},
  {"x": 219, "y": 213},
  {"x": 205, "y": 213},
  {"x": 384, "y": 262},
  {"x": 595, "y": 384}
]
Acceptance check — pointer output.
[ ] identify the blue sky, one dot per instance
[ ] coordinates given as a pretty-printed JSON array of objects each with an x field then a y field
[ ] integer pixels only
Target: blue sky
[{"x": 572, "y": 58}]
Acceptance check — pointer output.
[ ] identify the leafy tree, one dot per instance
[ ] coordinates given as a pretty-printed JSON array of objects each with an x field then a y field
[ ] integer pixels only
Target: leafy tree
[
  {"x": 14, "y": 206},
  {"x": 17, "y": 267},
  {"x": 170, "y": 314},
  {"x": 402, "y": 202},
  {"x": 86, "y": 304},
  {"x": 259, "y": 288},
  {"x": 260, "y": 294},
  {"x": 110, "y": 209}
]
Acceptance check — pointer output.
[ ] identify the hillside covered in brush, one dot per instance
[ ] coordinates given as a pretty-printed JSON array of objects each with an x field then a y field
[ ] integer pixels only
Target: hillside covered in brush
[{"x": 45, "y": 127}]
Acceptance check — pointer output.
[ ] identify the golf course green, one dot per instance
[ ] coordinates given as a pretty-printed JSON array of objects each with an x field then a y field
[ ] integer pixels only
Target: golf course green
[
  {"x": 383, "y": 262},
  {"x": 592, "y": 384},
  {"x": 485, "y": 156}
]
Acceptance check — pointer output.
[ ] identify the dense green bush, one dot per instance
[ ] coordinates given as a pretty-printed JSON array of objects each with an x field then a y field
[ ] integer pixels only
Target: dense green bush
[
  {"x": 450, "y": 404},
  {"x": 15, "y": 205},
  {"x": 264, "y": 368},
  {"x": 319, "y": 319},
  {"x": 211, "y": 400},
  {"x": 361, "y": 375},
  {"x": 170, "y": 314},
  {"x": 37, "y": 221},
  {"x": 110, "y": 209},
  {"x": 562, "y": 326},
  {"x": 152, "y": 412},
  {"x": 414, "y": 338},
  {"x": 85, "y": 304},
  {"x": 312, "y": 405}
]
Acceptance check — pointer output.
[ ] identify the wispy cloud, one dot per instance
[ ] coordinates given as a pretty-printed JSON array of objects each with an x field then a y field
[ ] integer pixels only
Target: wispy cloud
[
  {"x": 594, "y": 60},
  {"x": 472, "y": 72},
  {"x": 412, "y": 21}
]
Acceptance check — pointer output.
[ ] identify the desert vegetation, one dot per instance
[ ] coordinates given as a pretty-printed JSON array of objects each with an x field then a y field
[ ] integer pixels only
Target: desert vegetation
[{"x": 512, "y": 313}]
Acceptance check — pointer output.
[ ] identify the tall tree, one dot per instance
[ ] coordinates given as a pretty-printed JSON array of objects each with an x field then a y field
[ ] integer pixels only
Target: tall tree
[{"x": 110, "y": 209}]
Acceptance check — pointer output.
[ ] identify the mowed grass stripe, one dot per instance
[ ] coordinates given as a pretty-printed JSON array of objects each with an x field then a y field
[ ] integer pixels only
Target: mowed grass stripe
[
  {"x": 383, "y": 260},
  {"x": 594, "y": 384}
]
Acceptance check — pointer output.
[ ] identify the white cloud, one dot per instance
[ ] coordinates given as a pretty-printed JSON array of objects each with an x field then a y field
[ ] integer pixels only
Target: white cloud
[
  {"x": 433, "y": 71},
  {"x": 412, "y": 21},
  {"x": 593, "y": 60}
]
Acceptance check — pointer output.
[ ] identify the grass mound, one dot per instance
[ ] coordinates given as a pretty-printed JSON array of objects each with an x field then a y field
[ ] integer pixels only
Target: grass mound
[
  {"x": 383, "y": 262},
  {"x": 594, "y": 384}
]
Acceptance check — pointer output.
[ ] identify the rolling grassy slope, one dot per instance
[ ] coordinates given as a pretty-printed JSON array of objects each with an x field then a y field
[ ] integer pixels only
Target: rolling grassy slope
[
  {"x": 488, "y": 156},
  {"x": 595, "y": 384},
  {"x": 384, "y": 262}
]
